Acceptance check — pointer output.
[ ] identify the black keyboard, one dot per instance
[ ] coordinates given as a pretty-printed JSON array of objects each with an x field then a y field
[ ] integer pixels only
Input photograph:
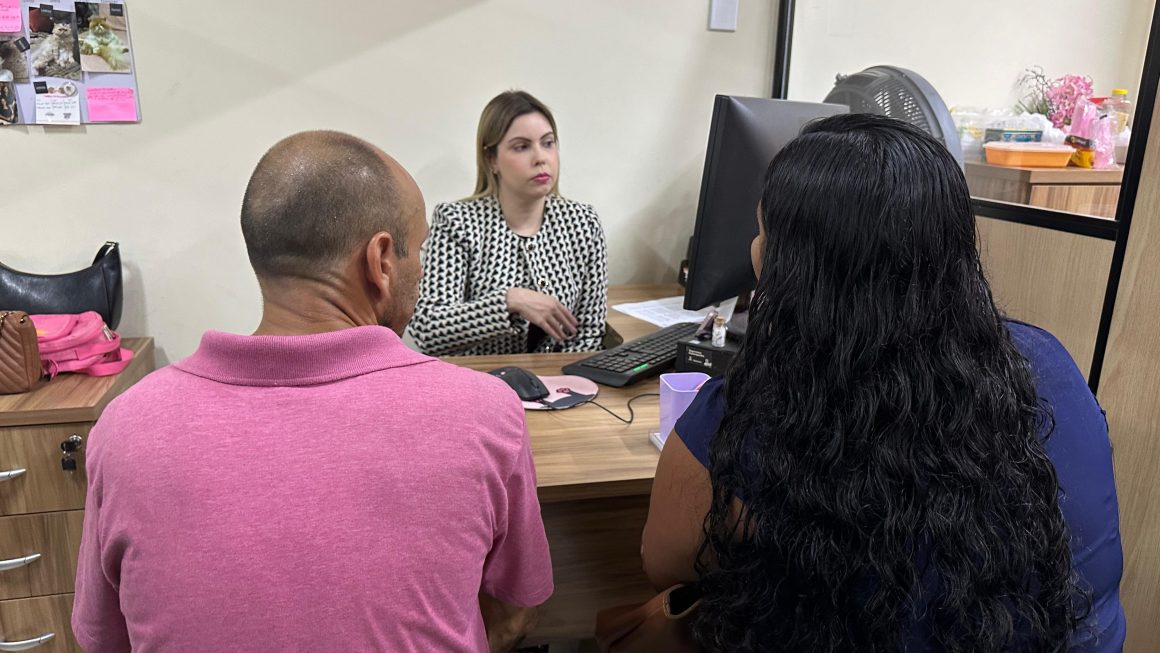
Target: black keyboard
[{"x": 634, "y": 360}]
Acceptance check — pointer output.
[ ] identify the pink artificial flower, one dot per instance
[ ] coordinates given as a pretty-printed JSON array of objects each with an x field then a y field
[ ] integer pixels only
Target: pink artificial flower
[{"x": 1063, "y": 94}]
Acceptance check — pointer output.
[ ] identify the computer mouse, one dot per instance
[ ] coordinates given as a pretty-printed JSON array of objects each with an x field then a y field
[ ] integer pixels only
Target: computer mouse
[{"x": 527, "y": 385}]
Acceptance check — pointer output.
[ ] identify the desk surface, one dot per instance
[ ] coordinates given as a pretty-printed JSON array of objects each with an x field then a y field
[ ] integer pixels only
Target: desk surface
[{"x": 583, "y": 452}]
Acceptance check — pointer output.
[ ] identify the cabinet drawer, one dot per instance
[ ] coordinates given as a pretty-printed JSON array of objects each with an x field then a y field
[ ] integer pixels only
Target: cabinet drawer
[
  {"x": 44, "y": 486},
  {"x": 56, "y": 537},
  {"x": 27, "y": 619}
]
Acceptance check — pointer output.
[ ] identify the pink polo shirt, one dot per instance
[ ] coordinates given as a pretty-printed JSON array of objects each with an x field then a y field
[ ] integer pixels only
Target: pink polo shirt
[{"x": 332, "y": 492}]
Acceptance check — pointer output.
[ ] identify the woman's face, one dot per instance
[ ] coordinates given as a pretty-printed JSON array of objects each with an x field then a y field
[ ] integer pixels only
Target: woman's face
[
  {"x": 526, "y": 159},
  {"x": 757, "y": 247}
]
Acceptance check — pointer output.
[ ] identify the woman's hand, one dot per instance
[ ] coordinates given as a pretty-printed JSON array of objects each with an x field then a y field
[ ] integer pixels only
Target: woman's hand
[{"x": 543, "y": 311}]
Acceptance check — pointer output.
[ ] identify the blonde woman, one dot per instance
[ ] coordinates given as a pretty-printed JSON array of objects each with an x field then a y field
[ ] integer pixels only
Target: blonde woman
[{"x": 516, "y": 267}]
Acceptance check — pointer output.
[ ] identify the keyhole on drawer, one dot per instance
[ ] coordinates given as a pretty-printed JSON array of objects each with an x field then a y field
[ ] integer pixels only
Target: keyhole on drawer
[{"x": 69, "y": 447}]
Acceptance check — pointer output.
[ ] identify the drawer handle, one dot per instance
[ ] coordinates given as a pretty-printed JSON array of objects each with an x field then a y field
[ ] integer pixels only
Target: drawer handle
[
  {"x": 26, "y": 644},
  {"x": 11, "y": 474},
  {"x": 5, "y": 565}
]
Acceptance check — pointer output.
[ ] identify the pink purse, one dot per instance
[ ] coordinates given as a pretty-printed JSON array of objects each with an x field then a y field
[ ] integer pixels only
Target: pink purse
[{"x": 80, "y": 343}]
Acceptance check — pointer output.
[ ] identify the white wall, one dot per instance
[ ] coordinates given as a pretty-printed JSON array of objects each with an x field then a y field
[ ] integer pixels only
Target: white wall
[
  {"x": 631, "y": 84},
  {"x": 971, "y": 52}
]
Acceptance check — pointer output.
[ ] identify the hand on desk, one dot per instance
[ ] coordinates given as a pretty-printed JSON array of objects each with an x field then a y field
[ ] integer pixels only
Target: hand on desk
[{"x": 543, "y": 311}]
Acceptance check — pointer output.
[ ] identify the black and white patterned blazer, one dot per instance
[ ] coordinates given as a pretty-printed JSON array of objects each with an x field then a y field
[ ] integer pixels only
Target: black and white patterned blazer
[{"x": 471, "y": 258}]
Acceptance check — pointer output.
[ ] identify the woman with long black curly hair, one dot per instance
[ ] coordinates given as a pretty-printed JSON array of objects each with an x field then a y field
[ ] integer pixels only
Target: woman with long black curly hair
[{"x": 890, "y": 465}]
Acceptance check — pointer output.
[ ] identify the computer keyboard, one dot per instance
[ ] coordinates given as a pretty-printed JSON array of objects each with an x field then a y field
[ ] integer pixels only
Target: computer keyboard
[{"x": 634, "y": 360}]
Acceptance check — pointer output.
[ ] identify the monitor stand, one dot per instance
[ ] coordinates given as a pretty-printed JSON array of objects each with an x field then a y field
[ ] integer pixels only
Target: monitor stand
[{"x": 739, "y": 323}]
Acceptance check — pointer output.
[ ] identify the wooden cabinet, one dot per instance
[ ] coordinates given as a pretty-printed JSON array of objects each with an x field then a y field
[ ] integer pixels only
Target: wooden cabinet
[
  {"x": 42, "y": 505},
  {"x": 38, "y": 553},
  {"x": 1075, "y": 190},
  {"x": 42, "y": 486},
  {"x": 44, "y": 619}
]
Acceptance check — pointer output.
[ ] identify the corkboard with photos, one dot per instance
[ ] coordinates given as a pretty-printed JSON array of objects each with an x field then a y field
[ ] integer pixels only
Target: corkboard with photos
[{"x": 66, "y": 63}]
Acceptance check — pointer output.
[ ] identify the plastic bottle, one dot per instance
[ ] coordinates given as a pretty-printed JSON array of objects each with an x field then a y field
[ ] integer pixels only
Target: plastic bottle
[
  {"x": 719, "y": 331},
  {"x": 1122, "y": 142},
  {"x": 1119, "y": 105}
]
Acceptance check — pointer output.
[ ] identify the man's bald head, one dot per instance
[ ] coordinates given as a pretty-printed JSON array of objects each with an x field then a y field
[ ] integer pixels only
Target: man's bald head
[{"x": 316, "y": 197}]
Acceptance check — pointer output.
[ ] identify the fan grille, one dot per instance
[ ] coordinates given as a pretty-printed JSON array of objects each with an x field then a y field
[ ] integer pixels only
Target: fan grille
[
  {"x": 898, "y": 102},
  {"x": 900, "y": 94}
]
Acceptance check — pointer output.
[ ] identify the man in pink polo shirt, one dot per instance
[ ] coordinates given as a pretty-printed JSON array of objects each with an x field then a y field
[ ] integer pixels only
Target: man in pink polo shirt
[{"x": 316, "y": 486}]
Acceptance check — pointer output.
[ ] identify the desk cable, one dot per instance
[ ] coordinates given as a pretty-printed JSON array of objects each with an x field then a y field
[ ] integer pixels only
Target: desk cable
[{"x": 631, "y": 414}]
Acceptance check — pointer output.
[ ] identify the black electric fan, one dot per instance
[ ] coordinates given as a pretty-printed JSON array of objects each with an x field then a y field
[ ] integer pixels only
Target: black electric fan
[{"x": 899, "y": 93}]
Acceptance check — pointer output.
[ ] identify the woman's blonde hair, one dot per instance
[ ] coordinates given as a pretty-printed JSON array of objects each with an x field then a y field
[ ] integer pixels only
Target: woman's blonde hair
[{"x": 497, "y": 117}]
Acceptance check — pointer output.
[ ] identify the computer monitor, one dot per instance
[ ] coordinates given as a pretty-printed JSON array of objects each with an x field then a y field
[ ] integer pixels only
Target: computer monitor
[{"x": 745, "y": 135}]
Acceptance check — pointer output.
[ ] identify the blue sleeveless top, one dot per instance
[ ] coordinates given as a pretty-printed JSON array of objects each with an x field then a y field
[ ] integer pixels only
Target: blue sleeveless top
[{"x": 1079, "y": 448}]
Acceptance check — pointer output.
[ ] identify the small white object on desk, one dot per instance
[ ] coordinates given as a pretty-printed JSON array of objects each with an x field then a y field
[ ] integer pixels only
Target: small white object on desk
[
  {"x": 668, "y": 311},
  {"x": 657, "y": 439}
]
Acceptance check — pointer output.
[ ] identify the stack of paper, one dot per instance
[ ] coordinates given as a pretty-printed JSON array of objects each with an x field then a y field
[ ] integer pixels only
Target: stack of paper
[{"x": 667, "y": 312}]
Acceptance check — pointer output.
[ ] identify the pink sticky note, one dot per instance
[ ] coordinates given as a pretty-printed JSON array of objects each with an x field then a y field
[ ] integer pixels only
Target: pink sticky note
[
  {"x": 10, "y": 19},
  {"x": 111, "y": 104}
]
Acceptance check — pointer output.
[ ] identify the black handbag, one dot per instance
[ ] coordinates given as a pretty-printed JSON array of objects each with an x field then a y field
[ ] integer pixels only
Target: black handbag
[{"x": 95, "y": 288}]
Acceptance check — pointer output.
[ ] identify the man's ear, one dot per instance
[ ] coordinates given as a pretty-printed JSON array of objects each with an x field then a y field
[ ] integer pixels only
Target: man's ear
[{"x": 380, "y": 263}]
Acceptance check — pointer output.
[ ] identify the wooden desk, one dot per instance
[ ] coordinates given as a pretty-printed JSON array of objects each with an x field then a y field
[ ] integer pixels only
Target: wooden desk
[
  {"x": 1076, "y": 190},
  {"x": 594, "y": 475}
]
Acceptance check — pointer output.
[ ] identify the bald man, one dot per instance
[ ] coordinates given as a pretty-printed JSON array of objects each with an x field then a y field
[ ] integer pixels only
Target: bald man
[{"x": 315, "y": 486}]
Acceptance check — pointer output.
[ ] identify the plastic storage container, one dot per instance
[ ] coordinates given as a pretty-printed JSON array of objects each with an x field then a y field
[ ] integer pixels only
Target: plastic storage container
[
  {"x": 1013, "y": 135},
  {"x": 1122, "y": 142},
  {"x": 677, "y": 391},
  {"x": 1032, "y": 155},
  {"x": 1119, "y": 106}
]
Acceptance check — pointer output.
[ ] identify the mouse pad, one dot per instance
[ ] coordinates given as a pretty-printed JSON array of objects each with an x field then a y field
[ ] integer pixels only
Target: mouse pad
[{"x": 564, "y": 392}]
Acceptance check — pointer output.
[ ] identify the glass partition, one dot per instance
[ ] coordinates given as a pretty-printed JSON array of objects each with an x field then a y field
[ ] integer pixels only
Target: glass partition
[{"x": 1039, "y": 94}]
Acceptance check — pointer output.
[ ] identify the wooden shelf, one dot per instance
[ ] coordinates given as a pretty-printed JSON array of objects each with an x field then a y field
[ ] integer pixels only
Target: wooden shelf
[
  {"x": 1074, "y": 190},
  {"x": 1069, "y": 175}
]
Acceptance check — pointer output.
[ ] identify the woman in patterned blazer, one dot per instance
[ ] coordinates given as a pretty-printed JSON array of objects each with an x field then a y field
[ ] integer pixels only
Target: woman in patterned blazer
[{"x": 516, "y": 267}]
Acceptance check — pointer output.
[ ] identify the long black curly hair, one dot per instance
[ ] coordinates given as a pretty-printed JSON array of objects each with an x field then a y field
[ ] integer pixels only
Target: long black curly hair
[{"x": 879, "y": 478}]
